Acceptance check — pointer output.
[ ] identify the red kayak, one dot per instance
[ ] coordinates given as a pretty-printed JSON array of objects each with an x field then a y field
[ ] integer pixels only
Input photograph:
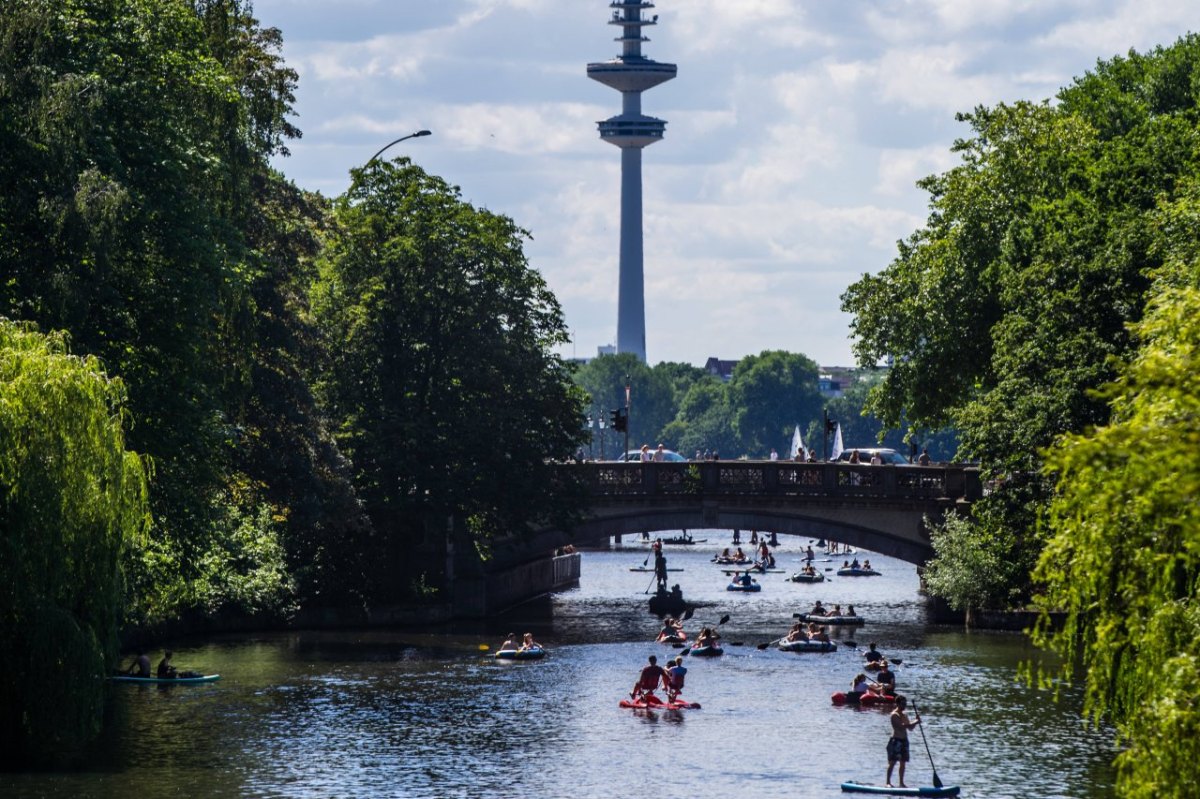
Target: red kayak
[
  {"x": 652, "y": 702},
  {"x": 866, "y": 700}
]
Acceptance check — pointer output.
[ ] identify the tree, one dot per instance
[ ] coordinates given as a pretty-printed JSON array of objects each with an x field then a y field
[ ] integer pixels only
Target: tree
[
  {"x": 1123, "y": 557},
  {"x": 768, "y": 393},
  {"x": 652, "y": 395},
  {"x": 72, "y": 500},
  {"x": 1012, "y": 306},
  {"x": 441, "y": 376}
]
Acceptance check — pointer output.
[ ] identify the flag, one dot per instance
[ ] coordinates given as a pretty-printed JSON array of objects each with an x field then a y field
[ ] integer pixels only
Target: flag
[
  {"x": 797, "y": 443},
  {"x": 837, "y": 443}
]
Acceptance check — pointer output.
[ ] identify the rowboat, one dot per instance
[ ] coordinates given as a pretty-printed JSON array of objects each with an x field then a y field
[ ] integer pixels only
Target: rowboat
[
  {"x": 129, "y": 678},
  {"x": 801, "y": 577},
  {"x": 808, "y": 646},
  {"x": 830, "y": 619},
  {"x": 534, "y": 653}
]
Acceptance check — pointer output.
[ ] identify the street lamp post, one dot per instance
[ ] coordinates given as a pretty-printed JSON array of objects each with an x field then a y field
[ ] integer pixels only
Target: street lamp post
[{"x": 397, "y": 141}]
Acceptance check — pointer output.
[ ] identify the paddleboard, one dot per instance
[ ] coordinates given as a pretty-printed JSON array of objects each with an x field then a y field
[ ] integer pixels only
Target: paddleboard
[
  {"x": 924, "y": 790},
  {"x": 649, "y": 569}
]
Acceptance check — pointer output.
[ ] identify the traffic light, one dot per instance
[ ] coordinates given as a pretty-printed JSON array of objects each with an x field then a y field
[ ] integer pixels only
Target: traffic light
[
  {"x": 614, "y": 419},
  {"x": 620, "y": 420}
]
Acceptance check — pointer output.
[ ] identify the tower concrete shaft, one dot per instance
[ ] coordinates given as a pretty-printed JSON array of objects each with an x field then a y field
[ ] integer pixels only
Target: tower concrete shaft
[{"x": 631, "y": 73}]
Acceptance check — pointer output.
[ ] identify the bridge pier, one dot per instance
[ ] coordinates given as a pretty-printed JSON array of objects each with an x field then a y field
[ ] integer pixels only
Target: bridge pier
[{"x": 478, "y": 593}]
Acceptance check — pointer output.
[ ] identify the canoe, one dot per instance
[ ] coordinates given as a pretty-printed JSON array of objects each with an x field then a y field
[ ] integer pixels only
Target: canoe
[
  {"x": 650, "y": 569},
  {"x": 537, "y": 653},
  {"x": 924, "y": 790},
  {"x": 866, "y": 700},
  {"x": 747, "y": 588},
  {"x": 808, "y": 646},
  {"x": 129, "y": 678},
  {"x": 800, "y": 577},
  {"x": 857, "y": 573},
  {"x": 830, "y": 619},
  {"x": 706, "y": 651},
  {"x": 652, "y": 702}
]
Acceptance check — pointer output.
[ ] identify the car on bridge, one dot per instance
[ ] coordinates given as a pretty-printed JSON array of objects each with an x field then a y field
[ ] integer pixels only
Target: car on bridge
[
  {"x": 890, "y": 457},
  {"x": 669, "y": 456}
]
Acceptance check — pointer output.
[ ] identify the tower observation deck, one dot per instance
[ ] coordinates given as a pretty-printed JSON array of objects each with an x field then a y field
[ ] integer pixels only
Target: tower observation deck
[{"x": 631, "y": 73}]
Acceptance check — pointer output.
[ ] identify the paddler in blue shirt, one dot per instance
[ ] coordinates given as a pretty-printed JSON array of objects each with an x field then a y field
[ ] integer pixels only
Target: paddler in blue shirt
[{"x": 675, "y": 677}]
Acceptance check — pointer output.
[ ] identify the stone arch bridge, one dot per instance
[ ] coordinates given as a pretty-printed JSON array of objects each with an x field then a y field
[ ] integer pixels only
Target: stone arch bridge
[{"x": 879, "y": 508}]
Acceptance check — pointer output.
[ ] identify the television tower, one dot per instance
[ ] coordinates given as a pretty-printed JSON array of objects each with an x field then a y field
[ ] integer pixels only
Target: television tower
[{"x": 631, "y": 73}]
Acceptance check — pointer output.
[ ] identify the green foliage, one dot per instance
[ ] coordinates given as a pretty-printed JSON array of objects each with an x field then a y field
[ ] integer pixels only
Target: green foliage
[
  {"x": 769, "y": 392},
  {"x": 441, "y": 375},
  {"x": 72, "y": 499},
  {"x": 141, "y": 216},
  {"x": 1123, "y": 559},
  {"x": 652, "y": 397},
  {"x": 967, "y": 571},
  {"x": 1006, "y": 312}
]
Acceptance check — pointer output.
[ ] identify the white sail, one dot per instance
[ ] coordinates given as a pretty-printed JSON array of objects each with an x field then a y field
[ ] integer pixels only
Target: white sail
[
  {"x": 837, "y": 443},
  {"x": 797, "y": 443}
]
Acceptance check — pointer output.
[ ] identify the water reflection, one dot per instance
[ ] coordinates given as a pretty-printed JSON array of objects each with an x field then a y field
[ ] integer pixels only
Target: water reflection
[{"x": 427, "y": 714}]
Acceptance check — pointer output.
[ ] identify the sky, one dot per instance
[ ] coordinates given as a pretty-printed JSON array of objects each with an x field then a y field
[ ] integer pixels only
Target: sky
[{"x": 796, "y": 132}]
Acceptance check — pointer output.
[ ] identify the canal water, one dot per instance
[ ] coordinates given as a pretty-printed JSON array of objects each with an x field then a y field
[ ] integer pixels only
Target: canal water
[{"x": 430, "y": 714}]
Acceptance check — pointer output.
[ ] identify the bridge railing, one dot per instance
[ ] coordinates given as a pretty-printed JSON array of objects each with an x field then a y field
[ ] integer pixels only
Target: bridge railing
[{"x": 780, "y": 478}]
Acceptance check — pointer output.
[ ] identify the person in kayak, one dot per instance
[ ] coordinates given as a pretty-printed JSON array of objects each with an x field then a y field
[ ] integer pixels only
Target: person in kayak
[
  {"x": 707, "y": 637},
  {"x": 672, "y": 630},
  {"x": 859, "y": 687},
  {"x": 675, "y": 678},
  {"x": 510, "y": 643},
  {"x": 140, "y": 667},
  {"x": 897, "y": 746},
  {"x": 528, "y": 643},
  {"x": 651, "y": 677},
  {"x": 165, "y": 670},
  {"x": 886, "y": 679},
  {"x": 872, "y": 654}
]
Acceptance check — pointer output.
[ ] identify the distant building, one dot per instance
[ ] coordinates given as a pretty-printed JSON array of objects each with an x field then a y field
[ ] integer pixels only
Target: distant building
[
  {"x": 719, "y": 368},
  {"x": 606, "y": 349}
]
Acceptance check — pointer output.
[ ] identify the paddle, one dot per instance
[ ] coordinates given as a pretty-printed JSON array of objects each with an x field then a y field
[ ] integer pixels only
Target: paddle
[
  {"x": 766, "y": 644},
  {"x": 687, "y": 614},
  {"x": 937, "y": 781}
]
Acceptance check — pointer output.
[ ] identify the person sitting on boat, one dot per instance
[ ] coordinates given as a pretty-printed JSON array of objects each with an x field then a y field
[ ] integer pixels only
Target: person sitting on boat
[
  {"x": 810, "y": 570},
  {"x": 845, "y": 564},
  {"x": 886, "y": 679},
  {"x": 707, "y": 637},
  {"x": 672, "y": 630},
  {"x": 739, "y": 555},
  {"x": 866, "y": 565},
  {"x": 651, "y": 677},
  {"x": 165, "y": 670},
  {"x": 725, "y": 553},
  {"x": 821, "y": 635},
  {"x": 872, "y": 654},
  {"x": 746, "y": 580},
  {"x": 510, "y": 643},
  {"x": 770, "y": 561},
  {"x": 854, "y": 564},
  {"x": 837, "y": 611},
  {"x": 676, "y": 673},
  {"x": 859, "y": 687},
  {"x": 528, "y": 643},
  {"x": 850, "y": 611},
  {"x": 140, "y": 667},
  {"x": 796, "y": 633},
  {"x": 817, "y": 609}
]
